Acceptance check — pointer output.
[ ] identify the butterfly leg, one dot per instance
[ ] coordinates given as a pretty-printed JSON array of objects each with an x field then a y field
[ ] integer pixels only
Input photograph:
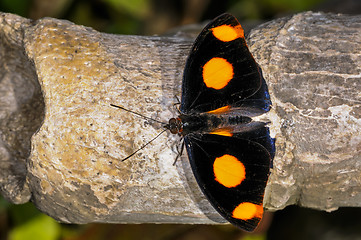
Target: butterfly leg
[
  {"x": 180, "y": 152},
  {"x": 177, "y": 103}
]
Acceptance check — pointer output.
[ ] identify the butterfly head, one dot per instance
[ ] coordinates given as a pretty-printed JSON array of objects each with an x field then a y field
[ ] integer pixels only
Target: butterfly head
[{"x": 175, "y": 125}]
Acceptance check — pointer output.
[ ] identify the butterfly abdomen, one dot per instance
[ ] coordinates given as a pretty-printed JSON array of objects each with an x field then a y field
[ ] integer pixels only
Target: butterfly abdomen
[{"x": 236, "y": 120}]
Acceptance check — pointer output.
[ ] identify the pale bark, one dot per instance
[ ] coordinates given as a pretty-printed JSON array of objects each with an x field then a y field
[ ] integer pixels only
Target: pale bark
[{"x": 61, "y": 143}]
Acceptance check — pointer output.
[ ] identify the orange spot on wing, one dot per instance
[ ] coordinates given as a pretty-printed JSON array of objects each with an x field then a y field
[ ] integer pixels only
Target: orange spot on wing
[
  {"x": 229, "y": 171},
  {"x": 220, "y": 110},
  {"x": 223, "y": 132},
  {"x": 217, "y": 73},
  {"x": 247, "y": 210},
  {"x": 227, "y": 33}
]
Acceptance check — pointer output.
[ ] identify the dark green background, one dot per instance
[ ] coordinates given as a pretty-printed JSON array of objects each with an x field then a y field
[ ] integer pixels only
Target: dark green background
[{"x": 148, "y": 17}]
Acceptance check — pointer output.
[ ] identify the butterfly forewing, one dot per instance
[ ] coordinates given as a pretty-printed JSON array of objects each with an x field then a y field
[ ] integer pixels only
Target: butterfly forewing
[{"x": 220, "y": 70}]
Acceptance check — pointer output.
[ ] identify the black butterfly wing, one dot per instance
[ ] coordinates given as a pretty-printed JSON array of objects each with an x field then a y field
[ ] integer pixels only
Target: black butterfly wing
[
  {"x": 221, "y": 76},
  {"x": 221, "y": 71},
  {"x": 204, "y": 150}
]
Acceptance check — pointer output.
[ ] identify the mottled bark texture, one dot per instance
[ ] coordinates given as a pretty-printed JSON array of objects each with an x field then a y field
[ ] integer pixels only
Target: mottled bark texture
[{"x": 61, "y": 143}]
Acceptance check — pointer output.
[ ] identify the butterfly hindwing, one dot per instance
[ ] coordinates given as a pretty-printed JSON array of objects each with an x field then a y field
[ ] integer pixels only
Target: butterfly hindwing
[
  {"x": 232, "y": 172},
  {"x": 220, "y": 70}
]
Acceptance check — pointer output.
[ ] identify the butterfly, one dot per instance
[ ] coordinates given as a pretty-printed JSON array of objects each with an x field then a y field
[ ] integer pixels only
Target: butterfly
[{"x": 230, "y": 153}]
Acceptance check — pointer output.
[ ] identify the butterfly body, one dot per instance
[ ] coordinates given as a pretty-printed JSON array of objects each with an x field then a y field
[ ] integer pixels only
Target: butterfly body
[{"x": 205, "y": 123}]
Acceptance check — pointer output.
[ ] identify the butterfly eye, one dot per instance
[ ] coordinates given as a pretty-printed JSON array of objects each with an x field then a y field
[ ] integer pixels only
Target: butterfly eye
[{"x": 175, "y": 125}]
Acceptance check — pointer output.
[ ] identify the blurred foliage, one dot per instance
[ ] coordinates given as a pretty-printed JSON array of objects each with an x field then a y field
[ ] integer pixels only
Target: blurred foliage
[
  {"x": 254, "y": 237},
  {"x": 39, "y": 227},
  {"x": 151, "y": 16},
  {"x": 25, "y": 222},
  {"x": 137, "y": 8},
  {"x": 131, "y": 17},
  {"x": 4, "y": 205},
  {"x": 267, "y": 9},
  {"x": 19, "y": 7}
]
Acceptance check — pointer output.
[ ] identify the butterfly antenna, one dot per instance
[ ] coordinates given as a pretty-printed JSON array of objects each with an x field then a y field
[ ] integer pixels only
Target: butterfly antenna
[
  {"x": 138, "y": 114},
  {"x": 144, "y": 145}
]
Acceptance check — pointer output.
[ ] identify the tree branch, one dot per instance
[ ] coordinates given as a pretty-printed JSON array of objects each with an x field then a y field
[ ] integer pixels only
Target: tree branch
[{"x": 58, "y": 80}]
